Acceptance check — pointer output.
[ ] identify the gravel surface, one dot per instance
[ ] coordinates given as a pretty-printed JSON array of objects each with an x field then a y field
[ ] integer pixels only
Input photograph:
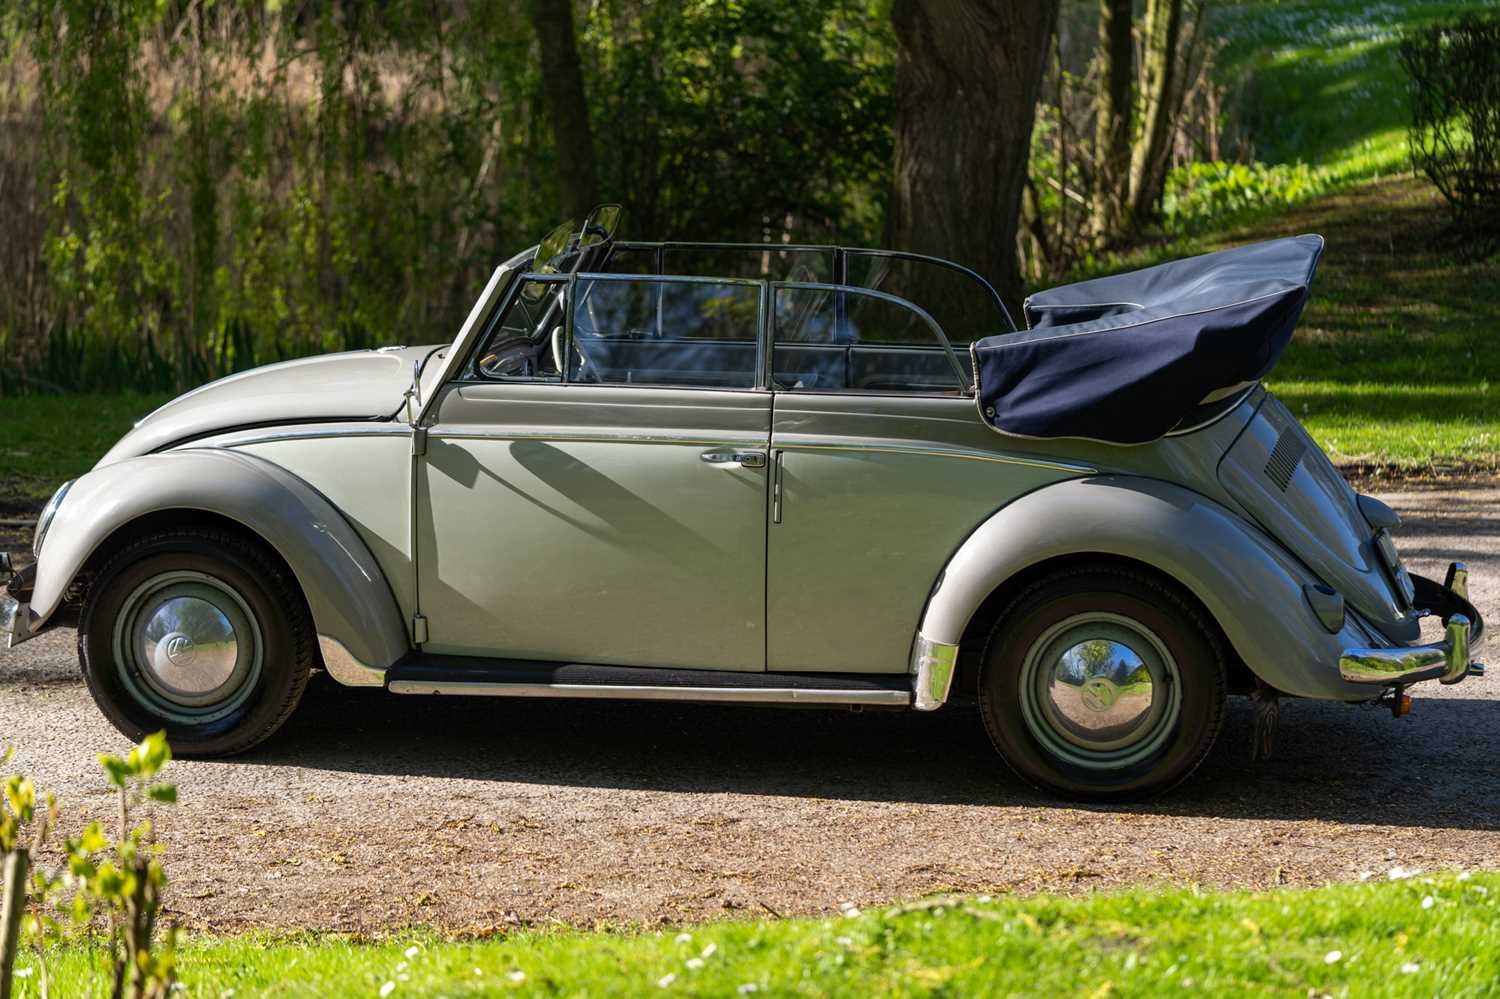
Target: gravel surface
[{"x": 370, "y": 811}]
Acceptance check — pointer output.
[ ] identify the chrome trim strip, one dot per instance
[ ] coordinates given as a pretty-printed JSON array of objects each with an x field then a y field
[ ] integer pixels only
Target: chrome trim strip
[
  {"x": 345, "y": 667},
  {"x": 727, "y": 695},
  {"x": 973, "y": 454},
  {"x": 933, "y": 665},
  {"x": 727, "y": 439},
  {"x": 45, "y": 518},
  {"x": 232, "y": 438}
]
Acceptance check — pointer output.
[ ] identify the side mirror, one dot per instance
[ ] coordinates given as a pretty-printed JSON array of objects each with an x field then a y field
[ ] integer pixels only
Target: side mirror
[{"x": 601, "y": 225}]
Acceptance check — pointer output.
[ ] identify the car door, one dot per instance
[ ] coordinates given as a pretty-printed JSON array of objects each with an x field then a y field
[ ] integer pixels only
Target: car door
[
  {"x": 881, "y": 468},
  {"x": 595, "y": 483}
]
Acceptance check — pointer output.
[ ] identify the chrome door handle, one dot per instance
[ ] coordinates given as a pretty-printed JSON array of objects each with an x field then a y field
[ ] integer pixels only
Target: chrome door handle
[{"x": 741, "y": 459}]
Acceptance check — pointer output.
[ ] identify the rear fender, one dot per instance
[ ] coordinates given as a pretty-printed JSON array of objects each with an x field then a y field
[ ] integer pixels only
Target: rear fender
[
  {"x": 360, "y": 628},
  {"x": 1251, "y": 586}
]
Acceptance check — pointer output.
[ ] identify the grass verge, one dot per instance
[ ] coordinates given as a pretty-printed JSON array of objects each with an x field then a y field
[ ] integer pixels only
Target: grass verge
[{"x": 1420, "y": 936}]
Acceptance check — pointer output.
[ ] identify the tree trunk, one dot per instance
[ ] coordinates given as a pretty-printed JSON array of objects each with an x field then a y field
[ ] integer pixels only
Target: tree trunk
[
  {"x": 1148, "y": 163},
  {"x": 1114, "y": 122},
  {"x": 967, "y": 82},
  {"x": 562, "y": 85}
]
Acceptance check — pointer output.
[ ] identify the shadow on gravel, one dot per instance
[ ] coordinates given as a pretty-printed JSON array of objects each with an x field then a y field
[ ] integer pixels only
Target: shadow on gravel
[{"x": 1347, "y": 764}]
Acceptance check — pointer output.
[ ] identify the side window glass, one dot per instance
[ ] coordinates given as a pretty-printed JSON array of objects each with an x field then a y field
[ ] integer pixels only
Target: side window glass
[
  {"x": 525, "y": 338},
  {"x": 876, "y": 346},
  {"x": 961, "y": 304},
  {"x": 644, "y": 331}
]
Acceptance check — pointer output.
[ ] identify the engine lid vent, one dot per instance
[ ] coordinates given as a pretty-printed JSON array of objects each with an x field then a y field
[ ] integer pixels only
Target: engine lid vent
[{"x": 1285, "y": 457}]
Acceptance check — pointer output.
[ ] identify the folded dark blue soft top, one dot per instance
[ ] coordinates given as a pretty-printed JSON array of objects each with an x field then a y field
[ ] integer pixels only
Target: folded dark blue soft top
[{"x": 1127, "y": 358}]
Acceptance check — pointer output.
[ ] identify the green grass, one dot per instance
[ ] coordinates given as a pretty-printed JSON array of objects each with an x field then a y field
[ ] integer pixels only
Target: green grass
[
  {"x": 1319, "y": 81},
  {"x": 50, "y": 438},
  {"x": 1396, "y": 361},
  {"x": 1375, "y": 939}
]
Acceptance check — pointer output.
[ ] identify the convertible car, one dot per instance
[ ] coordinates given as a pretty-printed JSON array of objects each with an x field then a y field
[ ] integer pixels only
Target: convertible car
[{"x": 763, "y": 474}]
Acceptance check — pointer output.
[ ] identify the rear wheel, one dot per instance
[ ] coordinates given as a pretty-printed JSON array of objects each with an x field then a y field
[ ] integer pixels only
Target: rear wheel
[
  {"x": 1102, "y": 683},
  {"x": 201, "y": 632}
]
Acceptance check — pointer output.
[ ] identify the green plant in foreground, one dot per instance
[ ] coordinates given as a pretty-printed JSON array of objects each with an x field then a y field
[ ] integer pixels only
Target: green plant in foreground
[
  {"x": 120, "y": 880},
  {"x": 128, "y": 887},
  {"x": 17, "y": 820}
]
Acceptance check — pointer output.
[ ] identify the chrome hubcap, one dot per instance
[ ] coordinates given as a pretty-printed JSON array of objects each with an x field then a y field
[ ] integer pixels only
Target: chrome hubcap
[
  {"x": 188, "y": 647},
  {"x": 1100, "y": 690}
]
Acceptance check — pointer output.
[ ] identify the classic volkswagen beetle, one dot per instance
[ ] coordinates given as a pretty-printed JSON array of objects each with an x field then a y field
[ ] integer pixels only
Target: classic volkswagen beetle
[{"x": 772, "y": 474}]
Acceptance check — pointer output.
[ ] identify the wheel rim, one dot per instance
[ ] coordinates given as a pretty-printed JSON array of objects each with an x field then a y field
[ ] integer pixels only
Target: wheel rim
[
  {"x": 1101, "y": 691},
  {"x": 188, "y": 647}
]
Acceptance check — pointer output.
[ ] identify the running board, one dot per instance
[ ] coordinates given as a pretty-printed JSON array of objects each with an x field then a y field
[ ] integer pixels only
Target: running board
[{"x": 461, "y": 676}]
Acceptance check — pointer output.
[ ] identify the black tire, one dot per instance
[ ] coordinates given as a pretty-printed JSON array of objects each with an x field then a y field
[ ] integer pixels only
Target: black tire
[
  {"x": 1075, "y": 729},
  {"x": 244, "y": 587}
]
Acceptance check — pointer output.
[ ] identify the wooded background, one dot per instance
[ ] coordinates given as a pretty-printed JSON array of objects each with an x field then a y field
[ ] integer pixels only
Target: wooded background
[{"x": 191, "y": 187}]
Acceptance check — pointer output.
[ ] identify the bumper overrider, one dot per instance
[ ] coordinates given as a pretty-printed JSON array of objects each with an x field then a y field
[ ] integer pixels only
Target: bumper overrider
[
  {"x": 1449, "y": 660},
  {"x": 17, "y": 572}
]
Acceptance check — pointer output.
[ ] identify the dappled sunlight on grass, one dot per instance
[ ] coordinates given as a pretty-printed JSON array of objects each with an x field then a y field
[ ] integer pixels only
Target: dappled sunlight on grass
[{"x": 1339, "y": 104}]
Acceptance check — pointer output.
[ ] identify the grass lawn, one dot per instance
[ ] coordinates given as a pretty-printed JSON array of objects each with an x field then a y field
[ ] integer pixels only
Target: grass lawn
[
  {"x": 1319, "y": 81},
  {"x": 49, "y": 438},
  {"x": 1397, "y": 359},
  {"x": 1420, "y": 936}
]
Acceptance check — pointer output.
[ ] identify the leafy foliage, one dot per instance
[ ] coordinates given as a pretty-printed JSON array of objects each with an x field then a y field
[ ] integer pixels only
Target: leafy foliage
[
  {"x": 120, "y": 880},
  {"x": 1455, "y": 126},
  {"x": 239, "y": 182},
  {"x": 1204, "y": 196}
]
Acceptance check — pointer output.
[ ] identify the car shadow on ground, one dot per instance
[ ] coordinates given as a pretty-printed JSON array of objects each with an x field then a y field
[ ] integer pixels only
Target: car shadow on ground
[{"x": 1341, "y": 763}]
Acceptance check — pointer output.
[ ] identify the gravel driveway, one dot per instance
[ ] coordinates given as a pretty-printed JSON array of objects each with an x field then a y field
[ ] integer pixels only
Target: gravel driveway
[{"x": 370, "y": 811}]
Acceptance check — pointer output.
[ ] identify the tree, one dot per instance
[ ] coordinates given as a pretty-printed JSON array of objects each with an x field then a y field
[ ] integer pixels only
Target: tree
[
  {"x": 967, "y": 83},
  {"x": 1160, "y": 94},
  {"x": 1114, "y": 120},
  {"x": 567, "y": 106}
]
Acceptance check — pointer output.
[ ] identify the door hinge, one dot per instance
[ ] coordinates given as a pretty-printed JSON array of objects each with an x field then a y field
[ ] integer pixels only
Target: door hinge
[
  {"x": 776, "y": 488},
  {"x": 418, "y": 630},
  {"x": 418, "y": 441}
]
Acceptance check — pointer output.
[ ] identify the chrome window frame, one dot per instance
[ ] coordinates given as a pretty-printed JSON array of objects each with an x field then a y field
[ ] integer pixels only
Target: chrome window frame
[
  {"x": 758, "y": 374},
  {"x": 463, "y": 375},
  {"x": 765, "y": 324},
  {"x": 841, "y": 256},
  {"x": 965, "y": 388}
]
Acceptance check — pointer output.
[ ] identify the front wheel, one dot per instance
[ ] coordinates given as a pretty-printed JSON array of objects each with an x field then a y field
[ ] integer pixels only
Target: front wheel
[
  {"x": 1102, "y": 683},
  {"x": 200, "y": 632}
]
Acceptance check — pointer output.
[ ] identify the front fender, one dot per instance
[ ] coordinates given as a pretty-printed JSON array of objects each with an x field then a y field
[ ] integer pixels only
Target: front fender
[
  {"x": 1250, "y": 585},
  {"x": 353, "y": 609}
]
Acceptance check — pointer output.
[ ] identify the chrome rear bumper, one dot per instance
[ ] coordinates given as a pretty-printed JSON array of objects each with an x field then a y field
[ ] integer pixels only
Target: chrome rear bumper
[{"x": 1450, "y": 660}]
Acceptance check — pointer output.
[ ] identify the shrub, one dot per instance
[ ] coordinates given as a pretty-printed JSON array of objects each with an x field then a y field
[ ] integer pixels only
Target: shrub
[{"x": 1455, "y": 124}]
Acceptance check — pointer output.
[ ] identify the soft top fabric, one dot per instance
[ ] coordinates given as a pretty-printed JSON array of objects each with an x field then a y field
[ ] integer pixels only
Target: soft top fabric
[{"x": 1127, "y": 358}]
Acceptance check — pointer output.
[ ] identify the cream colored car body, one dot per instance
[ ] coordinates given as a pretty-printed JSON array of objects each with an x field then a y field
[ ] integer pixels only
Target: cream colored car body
[{"x": 614, "y": 525}]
